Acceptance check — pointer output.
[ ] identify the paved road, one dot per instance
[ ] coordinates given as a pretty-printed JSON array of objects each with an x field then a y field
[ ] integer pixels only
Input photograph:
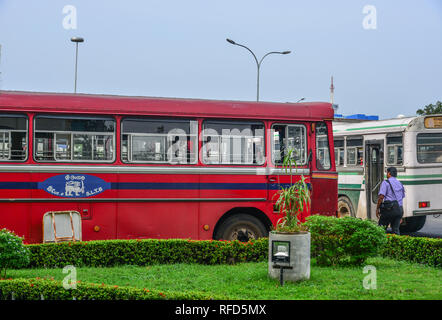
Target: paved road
[{"x": 432, "y": 228}]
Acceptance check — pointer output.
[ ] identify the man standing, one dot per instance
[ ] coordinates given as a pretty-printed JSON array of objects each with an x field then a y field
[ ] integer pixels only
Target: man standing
[{"x": 391, "y": 193}]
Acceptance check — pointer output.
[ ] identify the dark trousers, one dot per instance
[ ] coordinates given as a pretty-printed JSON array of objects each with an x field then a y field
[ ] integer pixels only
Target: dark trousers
[{"x": 392, "y": 218}]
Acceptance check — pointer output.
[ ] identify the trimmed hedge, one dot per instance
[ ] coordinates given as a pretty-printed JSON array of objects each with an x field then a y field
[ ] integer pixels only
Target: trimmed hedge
[
  {"x": 420, "y": 250},
  {"x": 38, "y": 289},
  {"x": 108, "y": 253}
]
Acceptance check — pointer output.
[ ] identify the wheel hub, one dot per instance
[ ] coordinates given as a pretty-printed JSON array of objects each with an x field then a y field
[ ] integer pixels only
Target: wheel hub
[{"x": 242, "y": 235}]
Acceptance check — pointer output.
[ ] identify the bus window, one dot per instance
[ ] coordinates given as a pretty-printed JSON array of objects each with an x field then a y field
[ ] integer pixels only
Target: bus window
[
  {"x": 159, "y": 141},
  {"x": 13, "y": 138},
  {"x": 429, "y": 147},
  {"x": 74, "y": 139},
  {"x": 339, "y": 152},
  {"x": 233, "y": 143},
  {"x": 394, "y": 150},
  {"x": 322, "y": 147},
  {"x": 286, "y": 137},
  {"x": 354, "y": 151}
]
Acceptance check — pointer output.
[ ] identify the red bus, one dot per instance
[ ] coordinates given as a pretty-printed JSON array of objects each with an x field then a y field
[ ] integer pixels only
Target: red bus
[{"x": 140, "y": 167}]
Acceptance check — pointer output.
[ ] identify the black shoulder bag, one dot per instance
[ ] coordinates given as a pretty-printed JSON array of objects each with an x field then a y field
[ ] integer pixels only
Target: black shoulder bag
[{"x": 387, "y": 206}]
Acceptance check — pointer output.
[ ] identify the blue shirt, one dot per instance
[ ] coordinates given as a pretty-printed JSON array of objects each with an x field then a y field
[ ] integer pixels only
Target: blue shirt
[{"x": 388, "y": 194}]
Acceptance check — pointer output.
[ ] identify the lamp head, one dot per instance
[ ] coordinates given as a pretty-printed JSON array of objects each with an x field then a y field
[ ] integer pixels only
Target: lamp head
[
  {"x": 77, "y": 39},
  {"x": 230, "y": 41}
]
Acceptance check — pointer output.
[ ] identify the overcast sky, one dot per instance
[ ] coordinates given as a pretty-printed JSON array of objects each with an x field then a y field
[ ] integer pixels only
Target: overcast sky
[{"x": 385, "y": 66}]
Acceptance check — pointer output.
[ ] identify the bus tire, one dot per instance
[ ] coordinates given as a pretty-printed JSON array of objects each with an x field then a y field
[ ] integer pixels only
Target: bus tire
[
  {"x": 345, "y": 207},
  {"x": 412, "y": 224},
  {"x": 242, "y": 227}
]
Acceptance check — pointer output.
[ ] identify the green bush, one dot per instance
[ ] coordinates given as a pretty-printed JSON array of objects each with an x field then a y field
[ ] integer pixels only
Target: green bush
[
  {"x": 13, "y": 253},
  {"x": 108, "y": 253},
  {"x": 420, "y": 250},
  {"x": 36, "y": 289},
  {"x": 344, "y": 241}
]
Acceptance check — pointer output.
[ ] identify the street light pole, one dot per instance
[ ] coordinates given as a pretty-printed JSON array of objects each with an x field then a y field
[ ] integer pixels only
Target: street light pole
[
  {"x": 258, "y": 63},
  {"x": 77, "y": 40}
]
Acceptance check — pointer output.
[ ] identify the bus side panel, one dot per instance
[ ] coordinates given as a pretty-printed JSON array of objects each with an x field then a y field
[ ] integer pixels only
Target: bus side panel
[
  {"x": 233, "y": 186},
  {"x": 146, "y": 217},
  {"x": 165, "y": 219},
  {"x": 100, "y": 223},
  {"x": 14, "y": 216}
]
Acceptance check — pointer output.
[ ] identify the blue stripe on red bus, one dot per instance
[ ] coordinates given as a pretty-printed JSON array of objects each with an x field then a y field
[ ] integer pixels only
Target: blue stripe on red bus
[
  {"x": 18, "y": 185},
  {"x": 162, "y": 186},
  {"x": 187, "y": 186}
]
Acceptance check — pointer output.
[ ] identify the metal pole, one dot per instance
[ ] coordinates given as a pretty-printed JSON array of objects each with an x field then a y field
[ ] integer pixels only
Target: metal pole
[
  {"x": 257, "y": 83},
  {"x": 0, "y": 66},
  {"x": 76, "y": 62},
  {"x": 281, "y": 276},
  {"x": 76, "y": 40},
  {"x": 258, "y": 64}
]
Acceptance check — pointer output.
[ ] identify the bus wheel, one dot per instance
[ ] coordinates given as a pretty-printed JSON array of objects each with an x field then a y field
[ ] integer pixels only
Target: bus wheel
[
  {"x": 412, "y": 224},
  {"x": 242, "y": 227},
  {"x": 345, "y": 208}
]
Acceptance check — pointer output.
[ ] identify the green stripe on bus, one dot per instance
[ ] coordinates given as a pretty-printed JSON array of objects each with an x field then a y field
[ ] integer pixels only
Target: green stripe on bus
[
  {"x": 350, "y": 173},
  {"x": 375, "y": 127},
  {"x": 349, "y": 185},
  {"x": 420, "y": 176},
  {"x": 420, "y": 182}
]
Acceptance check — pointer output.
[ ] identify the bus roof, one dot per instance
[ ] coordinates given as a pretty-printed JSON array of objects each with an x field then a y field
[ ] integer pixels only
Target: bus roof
[
  {"x": 388, "y": 125},
  {"x": 20, "y": 101}
]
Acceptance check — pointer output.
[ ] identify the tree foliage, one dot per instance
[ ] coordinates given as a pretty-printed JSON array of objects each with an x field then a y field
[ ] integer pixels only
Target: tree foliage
[{"x": 430, "y": 109}]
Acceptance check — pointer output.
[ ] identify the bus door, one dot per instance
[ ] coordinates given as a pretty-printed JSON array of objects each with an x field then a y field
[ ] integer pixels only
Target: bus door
[
  {"x": 374, "y": 173},
  {"x": 324, "y": 178}
]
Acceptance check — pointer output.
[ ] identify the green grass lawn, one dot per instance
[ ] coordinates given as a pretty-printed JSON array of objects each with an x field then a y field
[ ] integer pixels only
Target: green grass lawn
[{"x": 395, "y": 280}]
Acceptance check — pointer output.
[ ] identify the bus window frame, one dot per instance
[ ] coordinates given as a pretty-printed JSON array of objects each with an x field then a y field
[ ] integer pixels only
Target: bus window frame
[
  {"x": 338, "y": 162},
  {"x": 305, "y": 163},
  {"x": 318, "y": 165},
  {"x": 202, "y": 158},
  {"x": 80, "y": 117},
  {"x": 153, "y": 119},
  {"x": 354, "y": 137},
  {"x": 395, "y": 146},
  {"x": 417, "y": 157},
  {"x": 26, "y": 131}
]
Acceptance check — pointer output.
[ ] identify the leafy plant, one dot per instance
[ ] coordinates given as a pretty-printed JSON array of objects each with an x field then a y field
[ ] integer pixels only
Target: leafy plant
[
  {"x": 13, "y": 253},
  {"x": 344, "y": 241},
  {"x": 292, "y": 199}
]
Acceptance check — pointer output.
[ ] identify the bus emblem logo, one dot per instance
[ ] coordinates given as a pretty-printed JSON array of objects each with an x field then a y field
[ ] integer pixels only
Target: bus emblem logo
[{"x": 74, "y": 185}]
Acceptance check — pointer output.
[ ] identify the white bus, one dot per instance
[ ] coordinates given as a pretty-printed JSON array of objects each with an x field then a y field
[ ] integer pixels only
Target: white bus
[{"x": 364, "y": 150}]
